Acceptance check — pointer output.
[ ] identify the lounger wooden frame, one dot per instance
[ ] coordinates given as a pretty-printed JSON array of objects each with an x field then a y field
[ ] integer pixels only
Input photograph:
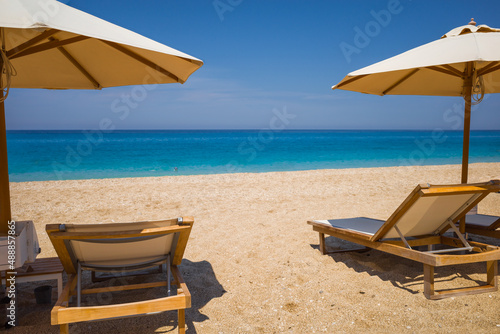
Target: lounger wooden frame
[
  {"x": 479, "y": 252},
  {"x": 63, "y": 314}
]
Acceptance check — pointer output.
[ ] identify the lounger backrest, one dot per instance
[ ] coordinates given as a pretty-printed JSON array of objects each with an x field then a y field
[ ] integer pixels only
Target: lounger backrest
[
  {"x": 429, "y": 208},
  {"x": 123, "y": 252},
  {"x": 119, "y": 246},
  {"x": 428, "y": 214}
]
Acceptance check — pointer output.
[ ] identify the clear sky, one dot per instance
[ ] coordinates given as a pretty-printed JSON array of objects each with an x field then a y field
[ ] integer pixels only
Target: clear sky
[{"x": 267, "y": 56}]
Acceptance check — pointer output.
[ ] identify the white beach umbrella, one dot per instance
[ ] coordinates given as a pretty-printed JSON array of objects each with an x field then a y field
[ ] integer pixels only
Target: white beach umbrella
[
  {"x": 47, "y": 44},
  {"x": 464, "y": 62}
]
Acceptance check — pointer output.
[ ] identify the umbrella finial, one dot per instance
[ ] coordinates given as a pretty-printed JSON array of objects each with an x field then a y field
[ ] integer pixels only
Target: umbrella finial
[{"x": 472, "y": 23}]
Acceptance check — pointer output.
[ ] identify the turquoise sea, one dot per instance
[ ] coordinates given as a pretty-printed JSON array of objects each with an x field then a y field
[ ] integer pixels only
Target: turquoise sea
[{"x": 64, "y": 155}]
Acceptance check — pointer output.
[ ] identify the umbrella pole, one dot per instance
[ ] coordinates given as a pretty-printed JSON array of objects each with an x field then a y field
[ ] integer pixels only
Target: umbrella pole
[
  {"x": 465, "y": 150},
  {"x": 5, "y": 213}
]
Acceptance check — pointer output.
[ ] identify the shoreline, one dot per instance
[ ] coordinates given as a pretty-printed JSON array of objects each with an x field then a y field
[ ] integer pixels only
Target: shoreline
[
  {"x": 266, "y": 172},
  {"x": 252, "y": 263}
]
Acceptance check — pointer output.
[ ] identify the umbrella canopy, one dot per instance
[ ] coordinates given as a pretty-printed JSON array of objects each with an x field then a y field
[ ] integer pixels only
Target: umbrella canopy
[
  {"x": 436, "y": 68},
  {"x": 52, "y": 45},
  {"x": 464, "y": 62},
  {"x": 47, "y": 44}
]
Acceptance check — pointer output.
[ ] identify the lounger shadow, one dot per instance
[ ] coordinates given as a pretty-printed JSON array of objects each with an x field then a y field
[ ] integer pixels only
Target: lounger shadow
[
  {"x": 421, "y": 220},
  {"x": 402, "y": 273},
  {"x": 118, "y": 248}
]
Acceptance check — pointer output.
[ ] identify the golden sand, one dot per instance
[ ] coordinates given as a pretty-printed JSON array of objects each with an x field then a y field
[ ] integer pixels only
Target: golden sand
[{"x": 252, "y": 263}]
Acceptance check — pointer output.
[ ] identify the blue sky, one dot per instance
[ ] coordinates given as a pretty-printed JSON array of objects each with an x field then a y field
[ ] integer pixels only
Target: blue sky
[{"x": 268, "y": 56}]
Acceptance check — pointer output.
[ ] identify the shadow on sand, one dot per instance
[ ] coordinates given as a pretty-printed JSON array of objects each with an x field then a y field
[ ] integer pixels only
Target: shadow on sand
[
  {"x": 402, "y": 273},
  {"x": 199, "y": 277},
  {"x": 204, "y": 286}
]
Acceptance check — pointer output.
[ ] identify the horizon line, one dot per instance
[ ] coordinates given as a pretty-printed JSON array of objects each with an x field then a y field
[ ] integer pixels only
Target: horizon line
[{"x": 249, "y": 129}]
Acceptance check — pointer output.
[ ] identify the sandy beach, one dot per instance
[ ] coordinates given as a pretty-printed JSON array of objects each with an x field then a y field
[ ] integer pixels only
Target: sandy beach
[{"x": 252, "y": 263}]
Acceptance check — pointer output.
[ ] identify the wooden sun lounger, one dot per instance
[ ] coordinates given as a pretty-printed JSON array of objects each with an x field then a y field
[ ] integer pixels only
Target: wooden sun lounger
[
  {"x": 482, "y": 224},
  {"x": 117, "y": 248},
  {"x": 421, "y": 220}
]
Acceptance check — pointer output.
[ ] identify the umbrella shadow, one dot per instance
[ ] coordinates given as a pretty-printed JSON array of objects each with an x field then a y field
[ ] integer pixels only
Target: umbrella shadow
[{"x": 402, "y": 273}]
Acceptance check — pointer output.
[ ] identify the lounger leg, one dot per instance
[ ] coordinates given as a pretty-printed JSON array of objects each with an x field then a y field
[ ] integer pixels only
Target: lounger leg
[
  {"x": 428, "y": 281},
  {"x": 322, "y": 246},
  {"x": 168, "y": 276},
  {"x": 492, "y": 273},
  {"x": 79, "y": 285},
  {"x": 59, "y": 285},
  {"x": 181, "y": 321},
  {"x": 64, "y": 329}
]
